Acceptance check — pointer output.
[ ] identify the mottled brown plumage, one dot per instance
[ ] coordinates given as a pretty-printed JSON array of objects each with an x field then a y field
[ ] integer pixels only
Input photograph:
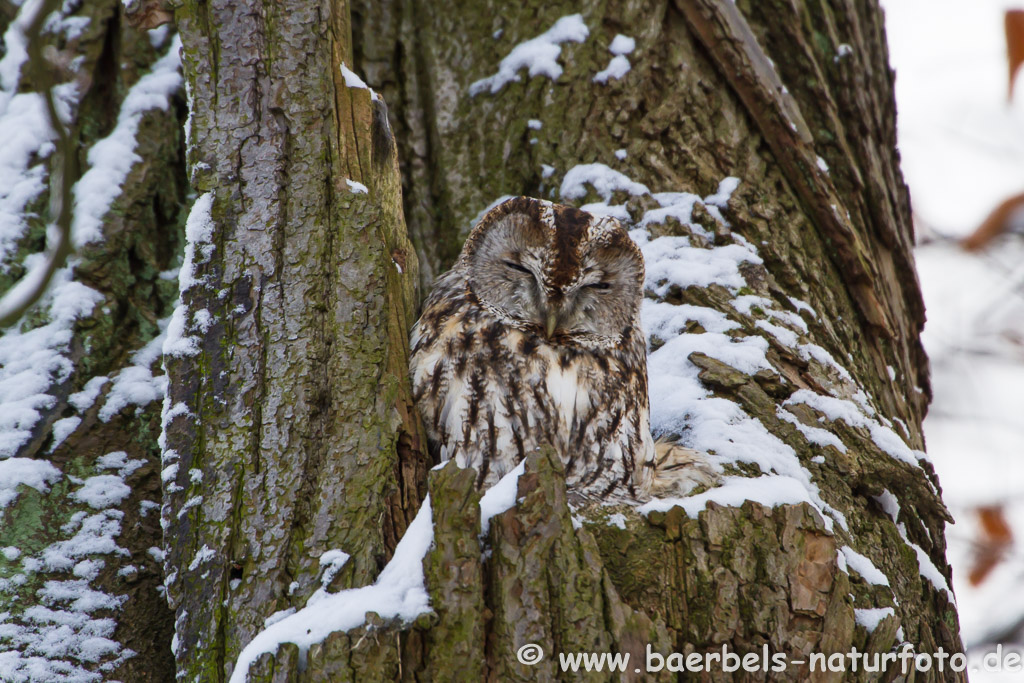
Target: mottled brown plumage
[{"x": 534, "y": 338}]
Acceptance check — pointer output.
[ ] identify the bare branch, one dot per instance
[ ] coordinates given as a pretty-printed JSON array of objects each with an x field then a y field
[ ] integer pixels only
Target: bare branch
[{"x": 31, "y": 287}]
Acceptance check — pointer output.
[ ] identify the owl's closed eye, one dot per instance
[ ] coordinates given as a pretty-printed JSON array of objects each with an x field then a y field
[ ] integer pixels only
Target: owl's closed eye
[{"x": 533, "y": 338}]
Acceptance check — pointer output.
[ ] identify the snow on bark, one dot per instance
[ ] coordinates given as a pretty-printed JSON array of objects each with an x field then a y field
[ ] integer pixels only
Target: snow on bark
[
  {"x": 399, "y": 592},
  {"x": 112, "y": 158},
  {"x": 67, "y": 481},
  {"x": 538, "y": 55}
]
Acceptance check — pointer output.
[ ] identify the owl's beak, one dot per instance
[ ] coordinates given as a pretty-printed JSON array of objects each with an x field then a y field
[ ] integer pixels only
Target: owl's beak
[{"x": 551, "y": 323}]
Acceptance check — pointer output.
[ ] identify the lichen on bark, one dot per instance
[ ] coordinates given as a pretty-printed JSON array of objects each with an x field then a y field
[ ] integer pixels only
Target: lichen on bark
[
  {"x": 297, "y": 412},
  {"x": 124, "y": 631}
]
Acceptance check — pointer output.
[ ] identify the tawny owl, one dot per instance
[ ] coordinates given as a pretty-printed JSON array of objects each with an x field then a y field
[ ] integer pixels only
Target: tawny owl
[{"x": 534, "y": 338}]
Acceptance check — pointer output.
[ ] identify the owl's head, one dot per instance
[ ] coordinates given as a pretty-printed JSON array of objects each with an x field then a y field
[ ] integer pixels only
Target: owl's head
[{"x": 557, "y": 271}]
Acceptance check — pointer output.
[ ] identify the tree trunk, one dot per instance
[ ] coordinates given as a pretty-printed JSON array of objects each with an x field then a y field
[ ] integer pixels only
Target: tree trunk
[
  {"x": 81, "y": 595},
  {"x": 288, "y": 426},
  {"x": 796, "y": 100}
]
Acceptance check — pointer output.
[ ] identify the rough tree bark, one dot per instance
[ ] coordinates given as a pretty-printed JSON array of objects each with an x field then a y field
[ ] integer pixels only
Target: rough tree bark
[
  {"x": 289, "y": 425},
  {"x": 81, "y": 595},
  {"x": 287, "y": 422}
]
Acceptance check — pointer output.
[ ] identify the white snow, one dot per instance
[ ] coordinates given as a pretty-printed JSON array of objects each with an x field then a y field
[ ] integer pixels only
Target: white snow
[
  {"x": 27, "y": 139},
  {"x": 399, "y": 592},
  {"x": 815, "y": 435},
  {"x": 169, "y": 473},
  {"x": 769, "y": 490},
  {"x": 198, "y": 233},
  {"x": 94, "y": 534},
  {"x": 619, "y": 212},
  {"x": 111, "y": 159},
  {"x": 663, "y": 320},
  {"x": 15, "y": 472},
  {"x": 725, "y": 189},
  {"x": 889, "y": 504},
  {"x": 331, "y": 562},
  {"x": 500, "y": 497},
  {"x": 871, "y": 617},
  {"x": 62, "y": 429},
  {"x": 785, "y": 336},
  {"x": 199, "y": 228},
  {"x": 681, "y": 405},
  {"x": 356, "y": 186},
  {"x": 136, "y": 384},
  {"x": 32, "y": 362},
  {"x": 618, "y": 67},
  {"x": 102, "y": 491},
  {"x": 928, "y": 569},
  {"x": 814, "y": 352},
  {"x": 672, "y": 261},
  {"x": 849, "y": 412},
  {"x": 802, "y": 306},
  {"x": 863, "y": 566},
  {"x": 603, "y": 179},
  {"x": 538, "y": 55},
  {"x": 59, "y": 635},
  {"x": 534, "y": 124},
  {"x": 202, "y": 556},
  {"x": 352, "y": 80},
  {"x": 83, "y": 400},
  {"x": 622, "y": 45},
  {"x": 27, "y": 136},
  {"x": 278, "y": 616}
]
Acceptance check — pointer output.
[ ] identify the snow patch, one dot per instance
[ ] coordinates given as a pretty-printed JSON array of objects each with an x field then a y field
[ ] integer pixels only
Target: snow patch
[
  {"x": 849, "y": 412},
  {"x": 622, "y": 45},
  {"x": 15, "y": 472},
  {"x": 32, "y": 362},
  {"x": 102, "y": 491},
  {"x": 62, "y": 429},
  {"x": 603, "y": 179},
  {"x": 500, "y": 497},
  {"x": 331, "y": 562},
  {"x": 198, "y": 231},
  {"x": 618, "y": 67},
  {"x": 399, "y": 592},
  {"x": 814, "y": 435},
  {"x": 352, "y": 79},
  {"x": 538, "y": 55},
  {"x": 871, "y": 617},
  {"x": 111, "y": 159},
  {"x": 863, "y": 566},
  {"x": 136, "y": 384},
  {"x": 769, "y": 490},
  {"x": 356, "y": 186}
]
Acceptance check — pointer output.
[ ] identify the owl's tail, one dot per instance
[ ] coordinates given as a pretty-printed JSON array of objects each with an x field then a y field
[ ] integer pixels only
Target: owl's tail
[{"x": 678, "y": 470}]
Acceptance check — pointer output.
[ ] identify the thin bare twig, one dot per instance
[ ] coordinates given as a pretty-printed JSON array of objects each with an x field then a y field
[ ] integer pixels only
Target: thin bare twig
[{"x": 33, "y": 284}]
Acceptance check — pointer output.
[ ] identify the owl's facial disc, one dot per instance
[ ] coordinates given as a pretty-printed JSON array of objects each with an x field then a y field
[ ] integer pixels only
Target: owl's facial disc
[{"x": 559, "y": 285}]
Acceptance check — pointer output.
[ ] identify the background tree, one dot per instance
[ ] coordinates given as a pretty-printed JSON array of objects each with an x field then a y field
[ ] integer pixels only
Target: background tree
[
  {"x": 288, "y": 427},
  {"x": 81, "y": 593}
]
